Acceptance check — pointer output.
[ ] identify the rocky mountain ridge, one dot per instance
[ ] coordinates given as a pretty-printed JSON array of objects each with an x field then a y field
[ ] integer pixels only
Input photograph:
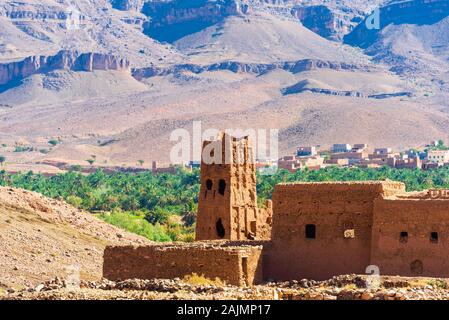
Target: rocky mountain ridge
[
  {"x": 63, "y": 60},
  {"x": 412, "y": 40},
  {"x": 418, "y": 12},
  {"x": 35, "y": 28},
  {"x": 251, "y": 68}
]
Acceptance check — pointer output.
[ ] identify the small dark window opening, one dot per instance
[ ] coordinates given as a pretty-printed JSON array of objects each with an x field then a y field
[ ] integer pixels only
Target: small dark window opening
[
  {"x": 245, "y": 269},
  {"x": 310, "y": 231},
  {"x": 221, "y": 187},
  {"x": 434, "y": 237},
  {"x": 209, "y": 184},
  {"x": 220, "y": 229},
  {"x": 403, "y": 237}
]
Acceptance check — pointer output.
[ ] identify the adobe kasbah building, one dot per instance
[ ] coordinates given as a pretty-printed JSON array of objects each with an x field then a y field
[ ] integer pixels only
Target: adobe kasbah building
[{"x": 308, "y": 230}]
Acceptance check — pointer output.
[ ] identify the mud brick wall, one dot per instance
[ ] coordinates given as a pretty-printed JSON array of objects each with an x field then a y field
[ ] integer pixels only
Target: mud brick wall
[
  {"x": 415, "y": 253},
  {"x": 264, "y": 221},
  {"x": 237, "y": 265},
  {"x": 342, "y": 216}
]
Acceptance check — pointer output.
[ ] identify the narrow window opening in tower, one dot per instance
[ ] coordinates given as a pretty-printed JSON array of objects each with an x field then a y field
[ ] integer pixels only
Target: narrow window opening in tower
[
  {"x": 209, "y": 184},
  {"x": 221, "y": 187},
  {"x": 403, "y": 237},
  {"x": 220, "y": 229},
  {"x": 434, "y": 237}
]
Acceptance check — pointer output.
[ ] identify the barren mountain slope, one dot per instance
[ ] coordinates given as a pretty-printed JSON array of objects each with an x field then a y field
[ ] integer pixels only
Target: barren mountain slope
[
  {"x": 43, "y": 238},
  {"x": 67, "y": 86},
  {"x": 171, "y": 20},
  {"x": 224, "y": 99},
  {"x": 412, "y": 39},
  {"x": 34, "y": 27},
  {"x": 261, "y": 37},
  {"x": 303, "y": 119},
  {"x": 418, "y": 50}
]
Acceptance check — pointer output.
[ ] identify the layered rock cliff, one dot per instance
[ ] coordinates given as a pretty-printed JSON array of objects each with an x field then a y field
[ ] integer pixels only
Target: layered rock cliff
[
  {"x": 240, "y": 67},
  {"x": 172, "y": 20},
  {"x": 126, "y": 5},
  {"x": 328, "y": 21},
  {"x": 41, "y": 28},
  {"x": 320, "y": 19},
  {"x": 15, "y": 71}
]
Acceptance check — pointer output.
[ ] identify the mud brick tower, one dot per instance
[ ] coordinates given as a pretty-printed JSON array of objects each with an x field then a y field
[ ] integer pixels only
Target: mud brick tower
[{"x": 227, "y": 205}]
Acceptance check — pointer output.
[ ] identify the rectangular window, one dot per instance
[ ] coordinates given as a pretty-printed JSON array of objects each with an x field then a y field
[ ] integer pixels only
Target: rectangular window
[
  {"x": 403, "y": 237},
  {"x": 310, "y": 231},
  {"x": 434, "y": 237}
]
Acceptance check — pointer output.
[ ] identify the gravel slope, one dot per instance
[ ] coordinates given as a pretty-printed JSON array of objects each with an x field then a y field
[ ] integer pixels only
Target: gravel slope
[{"x": 41, "y": 238}]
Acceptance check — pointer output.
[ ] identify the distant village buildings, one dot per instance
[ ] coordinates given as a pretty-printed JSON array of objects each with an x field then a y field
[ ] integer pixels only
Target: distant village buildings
[
  {"x": 440, "y": 157},
  {"x": 341, "y": 148},
  {"x": 295, "y": 163},
  {"x": 360, "y": 155},
  {"x": 343, "y": 155},
  {"x": 306, "y": 151},
  {"x": 156, "y": 169}
]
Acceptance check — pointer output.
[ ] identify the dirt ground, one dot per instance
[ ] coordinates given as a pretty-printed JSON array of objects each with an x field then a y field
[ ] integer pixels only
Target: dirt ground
[
  {"x": 43, "y": 238},
  {"x": 348, "y": 287}
]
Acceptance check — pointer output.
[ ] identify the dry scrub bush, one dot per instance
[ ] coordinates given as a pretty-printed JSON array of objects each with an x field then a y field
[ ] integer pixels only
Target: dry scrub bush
[{"x": 201, "y": 280}]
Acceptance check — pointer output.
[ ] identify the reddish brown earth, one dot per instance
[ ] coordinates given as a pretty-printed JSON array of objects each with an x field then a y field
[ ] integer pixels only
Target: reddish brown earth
[{"x": 41, "y": 238}]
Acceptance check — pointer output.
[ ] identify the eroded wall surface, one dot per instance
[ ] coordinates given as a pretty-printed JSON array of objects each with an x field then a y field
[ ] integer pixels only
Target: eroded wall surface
[
  {"x": 235, "y": 264},
  {"x": 341, "y": 215},
  {"x": 411, "y": 237}
]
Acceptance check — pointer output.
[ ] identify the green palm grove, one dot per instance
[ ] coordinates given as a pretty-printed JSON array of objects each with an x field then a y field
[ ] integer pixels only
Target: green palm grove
[{"x": 163, "y": 207}]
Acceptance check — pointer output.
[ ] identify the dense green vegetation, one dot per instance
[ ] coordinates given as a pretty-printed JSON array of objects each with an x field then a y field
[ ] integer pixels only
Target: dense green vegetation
[
  {"x": 163, "y": 207},
  {"x": 134, "y": 223},
  {"x": 415, "y": 180}
]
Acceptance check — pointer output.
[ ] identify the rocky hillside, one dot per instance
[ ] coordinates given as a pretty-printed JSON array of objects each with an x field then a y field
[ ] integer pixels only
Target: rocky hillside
[
  {"x": 64, "y": 60},
  {"x": 43, "y": 28},
  {"x": 174, "y": 19},
  {"x": 412, "y": 39},
  {"x": 43, "y": 238}
]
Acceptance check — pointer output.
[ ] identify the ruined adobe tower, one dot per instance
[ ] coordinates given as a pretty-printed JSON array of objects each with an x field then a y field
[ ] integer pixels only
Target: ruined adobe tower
[{"x": 227, "y": 204}]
